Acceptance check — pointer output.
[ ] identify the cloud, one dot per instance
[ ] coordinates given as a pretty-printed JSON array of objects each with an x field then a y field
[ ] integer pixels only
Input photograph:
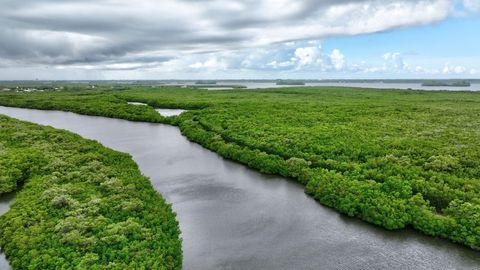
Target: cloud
[
  {"x": 211, "y": 64},
  {"x": 419, "y": 69},
  {"x": 121, "y": 34},
  {"x": 307, "y": 56},
  {"x": 337, "y": 59},
  {"x": 448, "y": 69},
  {"x": 395, "y": 61},
  {"x": 472, "y": 5}
]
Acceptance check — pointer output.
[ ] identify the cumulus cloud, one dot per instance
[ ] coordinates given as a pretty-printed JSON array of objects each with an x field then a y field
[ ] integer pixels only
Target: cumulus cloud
[
  {"x": 449, "y": 69},
  {"x": 211, "y": 64},
  {"x": 121, "y": 34},
  {"x": 337, "y": 59},
  {"x": 395, "y": 61},
  {"x": 307, "y": 56}
]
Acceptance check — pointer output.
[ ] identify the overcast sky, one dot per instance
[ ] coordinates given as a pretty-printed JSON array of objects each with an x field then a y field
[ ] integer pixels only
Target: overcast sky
[{"x": 194, "y": 39}]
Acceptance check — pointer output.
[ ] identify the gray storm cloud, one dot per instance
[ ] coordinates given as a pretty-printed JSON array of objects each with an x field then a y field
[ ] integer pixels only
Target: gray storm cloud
[{"x": 112, "y": 32}]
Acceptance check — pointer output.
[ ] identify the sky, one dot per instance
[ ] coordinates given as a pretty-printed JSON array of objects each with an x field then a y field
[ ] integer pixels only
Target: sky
[{"x": 239, "y": 39}]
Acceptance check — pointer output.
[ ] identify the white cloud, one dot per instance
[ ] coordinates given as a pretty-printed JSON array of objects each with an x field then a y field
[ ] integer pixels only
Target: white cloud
[
  {"x": 395, "y": 61},
  {"x": 292, "y": 58},
  {"x": 307, "y": 56},
  {"x": 51, "y": 32},
  {"x": 472, "y": 5},
  {"x": 460, "y": 69},
  {"x": 288, "y": 57},
  {"x": 173, "y": 36},
  {"x": 337, "y": 59},
  {"x": 211, "y": 64},
  {"x": 449, "y": 69},
  {"x": 276, "y": 65}
]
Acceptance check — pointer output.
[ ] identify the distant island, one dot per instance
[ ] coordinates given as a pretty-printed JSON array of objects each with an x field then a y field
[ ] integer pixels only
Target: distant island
[
  {"x": 290, "y": 82},
  {"x": 205, "y": 82},
  {"x": 446, "y": 83},
  {"x": 234, "y": 86}
]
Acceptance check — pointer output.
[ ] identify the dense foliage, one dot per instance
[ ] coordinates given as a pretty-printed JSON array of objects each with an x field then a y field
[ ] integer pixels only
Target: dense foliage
[
  {"x": 84, "y": 102},
  {"x": 390, "y": 157},
  {"x": 82, "y": 206}
]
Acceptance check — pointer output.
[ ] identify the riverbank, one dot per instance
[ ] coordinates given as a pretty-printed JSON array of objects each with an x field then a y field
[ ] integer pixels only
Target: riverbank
[
  {"x": 372, "y": 154},
  {"x": 5, "y": 202},
  {"x": 82, "y": 205},
  {"x": 234, "y": 217}
]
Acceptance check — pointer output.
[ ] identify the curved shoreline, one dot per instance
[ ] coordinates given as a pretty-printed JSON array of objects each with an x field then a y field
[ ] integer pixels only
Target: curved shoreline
[
  {"x": 353, "y": 198},
  {"x": 274, "y": 223},
  {"x": 83, "y": 205}
]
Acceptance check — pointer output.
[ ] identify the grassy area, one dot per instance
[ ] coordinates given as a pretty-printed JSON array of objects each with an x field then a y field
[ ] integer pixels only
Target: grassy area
[
  {"x": 390, "y": 157},
  {"x": 82, "y": 206}
]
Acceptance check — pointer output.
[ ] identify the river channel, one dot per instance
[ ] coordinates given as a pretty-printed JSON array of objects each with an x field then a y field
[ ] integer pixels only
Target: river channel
[{"x": 233, "y": 217}]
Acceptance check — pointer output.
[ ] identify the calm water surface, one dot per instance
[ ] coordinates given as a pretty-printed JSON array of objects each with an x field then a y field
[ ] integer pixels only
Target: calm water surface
[
  {"x": 170, "y": 112},
  {"x": 378, "y": 85},
  {"x": 5, "y": 201},
  {"x": 232, "y": 217},
  {"x": 163, "y": 112}
]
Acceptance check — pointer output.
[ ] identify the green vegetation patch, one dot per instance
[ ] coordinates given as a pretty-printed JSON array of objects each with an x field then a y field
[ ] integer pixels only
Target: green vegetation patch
[
  {"x": 290, "y": 82},
  {"x": 447, "y": 83},
  {"x": 81, "y": 206},
  {"x": 393, "y": 158}
]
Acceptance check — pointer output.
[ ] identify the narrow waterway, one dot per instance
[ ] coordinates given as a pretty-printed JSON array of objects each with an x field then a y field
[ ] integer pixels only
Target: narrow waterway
[
  {"x": 163, "y": 112},
  {"x": 232, "y": 217},
  {"x": 5, "y": 201}
]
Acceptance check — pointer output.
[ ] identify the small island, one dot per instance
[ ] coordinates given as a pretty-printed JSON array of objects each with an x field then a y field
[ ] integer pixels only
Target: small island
[
  {"x": 233, "y": 86},
  {"x": 205, "y": 82},
  {"x": 447, "y": 83},
  {"x": 290, "y": 82}
]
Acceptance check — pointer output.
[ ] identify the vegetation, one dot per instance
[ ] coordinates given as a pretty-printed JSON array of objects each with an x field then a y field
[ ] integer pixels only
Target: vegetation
[
  {"x": 84, "y": 102},
  {"x": 290, "y": 82},
  {"x": 447, "y": 83},
  {"x": 205, "y": 82},
  {"x": 234, "y": 86},
  {"x": 392, "y": 158},
  {"x": 82, "y": 206}
]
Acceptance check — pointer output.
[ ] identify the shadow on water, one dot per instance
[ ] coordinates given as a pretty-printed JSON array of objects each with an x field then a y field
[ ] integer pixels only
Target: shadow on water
[
  {"x": 5, "y": 201},
  {"x": 233, "y": 217}
]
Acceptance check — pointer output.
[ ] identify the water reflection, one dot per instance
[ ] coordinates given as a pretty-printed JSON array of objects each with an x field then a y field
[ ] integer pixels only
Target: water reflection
[
  {"x": 169, "y": 112},
  {"x": 163, "y": 112}
]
